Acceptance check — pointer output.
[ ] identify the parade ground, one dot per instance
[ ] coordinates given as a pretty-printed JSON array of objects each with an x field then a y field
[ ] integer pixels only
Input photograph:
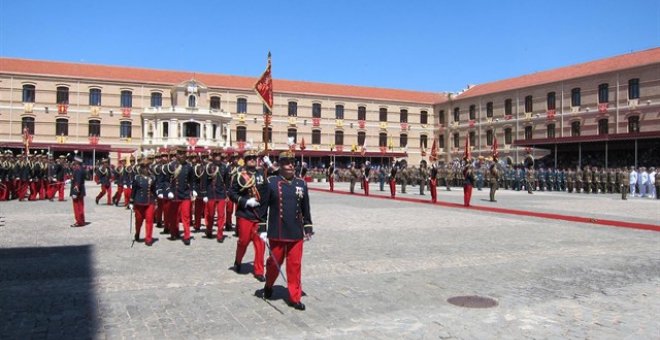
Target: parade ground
[{"x": 377, "y": 268}]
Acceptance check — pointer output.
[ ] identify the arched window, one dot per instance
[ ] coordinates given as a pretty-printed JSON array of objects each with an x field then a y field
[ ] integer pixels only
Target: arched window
[
  {"x": 293, "y": 109},
  {"x": 126, "y": 98},
  {"x": 403, "y": 116},
  {"x": 95, "y": 97},
  {"x": 361, "y": 136},
  {"x": 316, "y": 110},
  {"x": 457, "y": 114},
  {"x": 423, "y": 141},
  {"x": 62, "y": 127},
  {"x": 575, "y": 129},
  {"x": 489, "y": 137},
  {"x": 292, "y": 133},
  {"x": 362, "y": 113},
  {"x": 508, "y": 107},
  {"x": 633, "y": 88},
  {"x": 489, "y": 110},
  {"x": 473, "y": 112},
  {"x": 528, "y": 133},
  {"x": 603, "y": 93},
  {"x": 192, "y": 129},
  {"x": 339, "y": 137},
  {"x": 215, "y": 103},
  {"x": 382, "y": 114},
  {"x": 241, "y": 105},
  {"x": 382, "y": 139},
  {"x": 156, "y": 99},
  {"x": 27, "y": 122},
  {"x": 633, "y": 124},
  {"x": 125, "y": 129},
  {"x": 551, "y": 131},
  {"x": 62, "y": 96},
  {"x": 339, "y": 111},
  {"x": 603, "y": 126},
  {"x": 28, "y": 93},
  {"x": 403, "y": 140},
  {"x": 552, "y": 101},
  {"x": 241, "y": 133},
  {"x": 529, "y": 104},
  {"x": 166, "y": 130},
  {"x": 192, "y": 101},
  {"x": 94, "y": 128},
  {"x": 576, "y": 97},
  {"x": 473, "y": 139},
  {"x": 424, "y": 117},
  {"x": 508, "y": 138},
  {"x": 316, "y": 136},
  {"x": 457, "y": 141}
]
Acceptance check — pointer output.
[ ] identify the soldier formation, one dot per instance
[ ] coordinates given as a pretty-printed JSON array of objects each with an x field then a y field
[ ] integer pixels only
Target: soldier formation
[{"x": 37, "y": 176}]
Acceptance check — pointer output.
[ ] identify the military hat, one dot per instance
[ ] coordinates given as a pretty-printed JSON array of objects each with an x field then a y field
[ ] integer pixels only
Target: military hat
[
  {"x": 286, "y": 155},
  {"x": 61, "y": 157},
  {"x": 104, "y": 160},
  {"x": 216, "y": 151},
  {"x": 252, "y": 153},
  {"x": 180, "y": 150}
]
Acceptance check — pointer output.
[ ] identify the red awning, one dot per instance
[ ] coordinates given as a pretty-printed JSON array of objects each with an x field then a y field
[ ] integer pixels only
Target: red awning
[{"x": 587, "y": 139}]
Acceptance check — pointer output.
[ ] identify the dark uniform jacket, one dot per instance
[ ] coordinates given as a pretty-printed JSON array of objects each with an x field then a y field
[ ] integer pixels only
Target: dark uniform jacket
[
  {"x": 181, "y": 180},
  {"x": 287, "y": 204},
  {"x": 247, "y": 184},
  {"x": 78, "y": 182},
  {"x": 214, "y": 186},
  {"x": 103, "y": 173},
  {"x": 143, "y": 190}
]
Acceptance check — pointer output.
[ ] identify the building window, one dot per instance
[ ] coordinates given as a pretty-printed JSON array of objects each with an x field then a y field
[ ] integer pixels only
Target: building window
[
  {"x": 339, "y": 111},
  {"x": 489, "y": 110},
  {"x": 316, "y": 110},
  {"x": 473, "y": 112},
  {"x": 62, "y": 127},
  {"x": 191, "y": 129},
  {"x": 241, "y": 133},
  {"x": 156, "y": 99},
  {"x": 215, "y": 103},
  {"x": 166, "y": 129},
  {"x": 316, "y": 137},
  {"x": 575, "y": 97},
  {"x": 441, "y": 142},
  {"x": 508, "y": 136},
  {"x": 633, "y": 124},
  {"x": 575, "y": 129},
  {"x": 292, "y": 133},
  {"x": 508, "y": 107},
  {"x": 424, "y": 117},
  {"x": 382, "y": 139},
  {"x": 633, "y": 88},
  {"x": 241, "y": 105},
  {"x": 293, "y": 109},
  {"x": 489, "y": 137},
  {"x": 528, "y": 132},
  {"x": 457, "y": 114},
  {"x": 28, "y": 93},
  {"x": 603, "y": 93},
  {"x": 441, "y": 117},
  {"x": 125, "y": 129},
  {"x": 403, "y": 140},
  {"x": 95, "y": 97},
  {"x": 552, "y": 101},
  {"x": 361, "y": 137},
  {"x": 339, "y": 137},
  {"x": 382, "y": 114},
  {"x": 94, "y": 128},
  {"x": 456, "y": 140},
  {"x": 551, "y": 131},
  {"x": 473, "y": 139},
  {"x": 126, "y": 99},
  {"x": 192, "y": 101},
  {"x": 62, "y": 95},
  {"x": 529, "y": 104},
  {"x": 214, "y": 133},
  {"x": 423, "y": 141},
  {"x": 603, "y": 126},
  {"x": 270, "y": 134},
  {"x": 27, "y": 122},
  {"x": 403, "y": 116},
  {"x": 362, "y": 113}
]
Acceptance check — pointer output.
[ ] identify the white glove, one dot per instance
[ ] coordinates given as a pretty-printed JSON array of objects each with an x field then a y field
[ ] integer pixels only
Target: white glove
[
  {"x": 252, "y": 202},
  {"x": 194, "y": 193},
  {"x": 74, "y": 197},
  {"x": 205, "y": 199},
  {"x": 67, "y": 181},
  {"x": 267, "y": 161},
  {"x": 170, "y": 195},
  {"x": 263, "y": 236},
  {"x": 125, "y": 186},
  {"x": 130, "y": 206},
  {"x": 160, "y": 196}
]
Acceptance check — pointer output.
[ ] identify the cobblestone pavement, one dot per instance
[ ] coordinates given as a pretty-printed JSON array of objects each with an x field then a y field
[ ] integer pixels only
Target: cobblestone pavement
[{"x": 376, "y": 268}]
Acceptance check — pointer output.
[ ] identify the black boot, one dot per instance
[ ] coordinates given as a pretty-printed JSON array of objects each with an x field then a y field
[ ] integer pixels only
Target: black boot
[
  {"x": 299, "y": 305},
  {"x": 268, "y": 292}
]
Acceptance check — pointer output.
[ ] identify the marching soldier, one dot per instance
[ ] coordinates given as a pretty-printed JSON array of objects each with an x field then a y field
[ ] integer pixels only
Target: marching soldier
[
  {"x": 624, "y": 179},
  {"x": 142, "y": 201},
  {"x": 289, "y": 224},
  {"x": 570, "y": 180},
  {"x": 392, "y": 179},
  {"x": 423, "y": 176},
  {"x": 180, "y": 193},
  {"x": 468, "y": 183},
  {"x": 529, "y": 183},
  {"x": 199, "y": 205},
  {"x": 354, "y": 176},
  {"x": 433, "y": 183},
  {"x": 126, "y": 181},
  {"x": 215, "y": 195},
  {"x": 330, "y": 174},
  {"x": 595, "y": 180},
  {"x": 365, "y": 177},
  {"x": 494, "y": 178},
  {"x": 232, "y": 172},
  {"x": 103, "y": 174},
  {"x": 403, "y": 178},
  {"x": 246, "y": 191},
  {"x": 118, "y": 174},
  {"x": 78, "y": 192},
  {"x": 579, "y": 180}
]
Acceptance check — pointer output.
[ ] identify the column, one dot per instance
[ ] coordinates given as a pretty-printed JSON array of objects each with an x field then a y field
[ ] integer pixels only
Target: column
[{"x": 145, "y": 129}]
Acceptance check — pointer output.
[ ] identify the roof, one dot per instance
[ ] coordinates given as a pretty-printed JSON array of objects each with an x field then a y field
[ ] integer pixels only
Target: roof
[
  {"x": 143, "y": 75},
  {"x": 617, "y": 63}
]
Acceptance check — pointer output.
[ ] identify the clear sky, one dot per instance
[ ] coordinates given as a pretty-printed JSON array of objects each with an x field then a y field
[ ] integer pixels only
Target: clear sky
[{"x": 417, "y": 45}]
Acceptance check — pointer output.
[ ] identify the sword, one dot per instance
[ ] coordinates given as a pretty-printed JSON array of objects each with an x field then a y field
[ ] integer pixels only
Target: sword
[{"x": 130, "y": 229}]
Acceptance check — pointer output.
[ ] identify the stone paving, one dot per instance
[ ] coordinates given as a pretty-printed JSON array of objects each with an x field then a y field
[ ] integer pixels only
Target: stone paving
[{"x": 376, "y": 268}]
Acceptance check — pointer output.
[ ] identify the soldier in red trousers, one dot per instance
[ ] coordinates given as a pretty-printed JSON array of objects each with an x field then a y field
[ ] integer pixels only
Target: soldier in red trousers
[
  {"x": 215, "y": 194},
  {"x": 143, "y": 200},
  {"x": 104, "y": 174},
  {"x": 180, "y": 193},
  {"x": 77, "y": 192},
  {"x": 286, "y": 206}
]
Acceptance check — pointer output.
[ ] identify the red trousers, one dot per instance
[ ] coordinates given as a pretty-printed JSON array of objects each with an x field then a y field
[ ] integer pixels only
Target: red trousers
[
  {"x": 4, "y": 191},
  {"x": 213, "y": 206},
  {"x": 55, "y": 187},
  {"x": 142, "y": 213},
  {"x": 179, "y": 211},
  {"x": 79, "y": 210},
  {"x": 127, "y": 195},
  {"x": 199, "y": 211},
  {"x": 41, "y": 188},
  {"x": 393, "y": 188},
  {"x": 22, "y": 190},
  {"x": 292, "y": 251},
  {"x": 467, "y": 194},
  {"x": 105, "y": 188},
  {"x": 167, "y": 215},
  {"x": 230, "y": 211},
  {"x": 159, "y": 210},
  {"x": 332, "y": 183},
  {"x": 434, "y": 190},
  {"x": 365, "y": 184},
  {"x": 248, "y": 231},
  {"x": 117, "y": 197},
  {"x": 34, "y": 188}
]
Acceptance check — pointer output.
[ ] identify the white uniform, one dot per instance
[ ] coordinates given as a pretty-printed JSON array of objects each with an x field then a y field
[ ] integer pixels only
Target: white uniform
[
  {"x": 633, "y": 182},
  {"x": 643, "y": 181},
  {"x": 651, "y": 186}
]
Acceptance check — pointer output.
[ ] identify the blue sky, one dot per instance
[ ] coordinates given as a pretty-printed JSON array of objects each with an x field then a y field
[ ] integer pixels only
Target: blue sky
[{"x": 416, "y": 45}]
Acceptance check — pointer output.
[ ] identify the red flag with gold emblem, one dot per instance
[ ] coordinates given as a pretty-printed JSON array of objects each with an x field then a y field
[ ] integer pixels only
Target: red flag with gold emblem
[
  {"x": 434, "y": 151},
  {"x": 264, "y": 87},
  {"x": 302, "y": 144}
]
